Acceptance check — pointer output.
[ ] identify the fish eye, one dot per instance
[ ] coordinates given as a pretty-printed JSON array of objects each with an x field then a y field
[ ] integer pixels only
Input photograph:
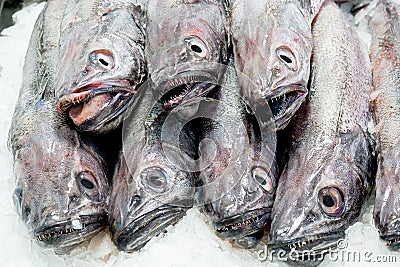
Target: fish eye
[
  {"x": 102, "y": 58},
  {"x": 287, "y": 57},
  {"x": 155, "y": 179},
  {"x": 197, "y": 46},
  {"x": 331, "y": 201},
  {"x": 88, "y": 185},
  {"x": 262, "y": 178}
]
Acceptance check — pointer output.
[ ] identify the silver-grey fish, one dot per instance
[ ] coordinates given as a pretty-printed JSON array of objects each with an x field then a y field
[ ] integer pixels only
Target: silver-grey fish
[
  {"x": 239, "y": 176},
  {"x": 385, "y": 58},
  {"x": 187, "y": 41},
  {"x": 102, "y": 51},
  {"x": 61, "y": 184},
  {"x": 152, "y": 186},
  {"x": 328, "y": 176},
  {"x": 272, "y": 45}
]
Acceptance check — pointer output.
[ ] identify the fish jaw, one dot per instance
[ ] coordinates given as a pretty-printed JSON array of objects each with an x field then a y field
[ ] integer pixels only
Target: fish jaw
[
  {"x": 140, "y": 230},
  {"x": 96, "y": 105},
  {"x": 68, "y": 234},
  {"x": 387, "y": 200}
]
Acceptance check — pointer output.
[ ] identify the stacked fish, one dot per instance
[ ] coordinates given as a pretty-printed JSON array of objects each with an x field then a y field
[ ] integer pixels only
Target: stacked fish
[{"x": 133, "y": 111}]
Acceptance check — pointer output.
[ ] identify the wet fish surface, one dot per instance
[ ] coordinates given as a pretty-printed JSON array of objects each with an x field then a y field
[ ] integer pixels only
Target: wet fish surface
[
  {"x": 238, "y": 174},
  {"x": 272, "y": 45},
  {"x": 385, "y": 29},
  {"x": 187, "y": 45},
  {"x": 102, "y": 50},
  {"x": 61, "y": 185},
  {"x": 330, "y": 168},
  {"x": 153, "y": 186}
]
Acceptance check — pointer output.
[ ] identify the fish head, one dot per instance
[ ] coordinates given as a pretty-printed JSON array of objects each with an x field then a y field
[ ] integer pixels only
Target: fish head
[
  {"x": 186, "y": 49},
  {"x": 101, "y": 68},
  {"x": 149, "y": 193},
  {"x": 319, "y": 196},
  {"x": 239, "y": 195},
  {"x": 275, "y": 56},
  {"x": 387, "y": 200},
  {"x": 61, "y": 189}
]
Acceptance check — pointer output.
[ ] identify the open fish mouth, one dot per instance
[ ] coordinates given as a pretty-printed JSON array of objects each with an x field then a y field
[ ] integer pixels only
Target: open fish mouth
[
  {"x": 71, "y": 232},
  {"x": 392, "y": 240},
  {"x": 285, "y": 102},
  {"x": 94, "y": 102},
  {"x": 308, "y": 249},
  {"x": 141, "y": 230},
  {"x": 185, "y": 88},
  {"x": 242, "y": 224}
]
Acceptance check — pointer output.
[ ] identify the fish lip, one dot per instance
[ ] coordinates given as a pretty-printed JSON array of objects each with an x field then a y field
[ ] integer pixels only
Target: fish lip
[
  {"x": 134, "y": 236},
  {"x": 297, "y": 94},
  {"x": 184, "y": 86},
  {"x": 63, "y": 235},
  {"x": 233, "y": 228},
  {"x": 307, "y": 244}
]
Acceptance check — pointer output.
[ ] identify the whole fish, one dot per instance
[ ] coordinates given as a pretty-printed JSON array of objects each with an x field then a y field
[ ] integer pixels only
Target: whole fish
[
  {"x": 385, "y": 31},
  {"x": 187, "y": 43},
  {"x": 152, "y": 187},
  {"x": 272, "y": 45},
  {"x": 326, "y": 181},
  {"x": 238, "y": 170},
  {"x": 61, "y": 184},
  {"x": 102, "y": 50}
]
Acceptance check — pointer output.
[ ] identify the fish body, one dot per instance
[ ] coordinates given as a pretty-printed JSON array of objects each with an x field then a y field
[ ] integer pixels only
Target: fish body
[
  {"x": 102, "y": 50},
  {"x": 61, "y": 183},
  {"x": 272, "y": 45},
  {"x": 329, "y": 172},
  {"x": 186, "y": 48},
  {"x": 152, "y": 186},
  {"x": 385, "y": 57},
  {"x": 238, "y": 169}
]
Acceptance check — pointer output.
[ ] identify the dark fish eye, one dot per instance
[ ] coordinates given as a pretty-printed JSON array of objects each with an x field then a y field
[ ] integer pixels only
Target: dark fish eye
[
  {"x": 102, "y": 58},
  {"x": 197, "y": 46},
  {"x": 262, "y": 178},
  {"x": 331, "y": 201},
  {"x": 287, "y": 57},
  {"x": 88, "y": 185},
  {"x": 155, "y": 179}
]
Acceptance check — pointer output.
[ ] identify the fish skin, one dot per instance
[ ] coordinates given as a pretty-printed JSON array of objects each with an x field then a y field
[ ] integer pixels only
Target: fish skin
[
  {"x": 49, "y": 158},
  {"x": 139, "y": 209},
  {"x": 236, "y": 204},
  {"x": 384, "y": 24},
  {"x": 272, "y": 45},
  {"x": 331, "y": 159},
  {"x": 102, "y": 50},
  {"x": 187, "y": 43}
]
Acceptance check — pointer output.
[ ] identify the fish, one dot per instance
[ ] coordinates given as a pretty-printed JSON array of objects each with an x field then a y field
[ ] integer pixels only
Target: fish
[
  {"x": 153, "y": 183},
  {"x": 102, "y": 50},
  {"x": 238, "y": 176},
  {"x": 330, "y": 169},
  {"x": 61, "y": 185},
  {"x": 272, "y": 45},
  {"x": 384, "y": 24},
  {"x": 186, "y": 48}
]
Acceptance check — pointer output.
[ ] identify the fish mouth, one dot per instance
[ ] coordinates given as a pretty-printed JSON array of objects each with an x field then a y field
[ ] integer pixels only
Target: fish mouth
[
  {"x": 185, "y": 88},
  {"x": 284, "y": 103},
  {"x": 392, "y": 240},
  {"x": 69, "y": 233},
  {"x": 242, "y": 225},
  {"x": 97, "y": 103},
  {"x": 309, "y": 250},
  {"x": 141, "y": 230}
]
